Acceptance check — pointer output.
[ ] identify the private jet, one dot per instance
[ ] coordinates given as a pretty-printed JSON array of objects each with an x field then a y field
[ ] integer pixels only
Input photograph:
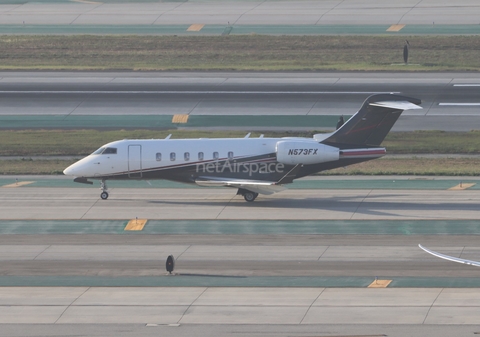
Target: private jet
[{"x": 253, "y": 166}]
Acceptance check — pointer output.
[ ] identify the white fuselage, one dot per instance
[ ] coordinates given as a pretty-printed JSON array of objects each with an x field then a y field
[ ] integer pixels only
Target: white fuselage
[{"x": 134, "y": 155}]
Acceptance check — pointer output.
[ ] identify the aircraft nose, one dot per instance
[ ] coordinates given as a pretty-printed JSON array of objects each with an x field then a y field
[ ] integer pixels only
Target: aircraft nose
[
  {"x": 68, "y": 171},
  {"x": 72, "y": 170}
]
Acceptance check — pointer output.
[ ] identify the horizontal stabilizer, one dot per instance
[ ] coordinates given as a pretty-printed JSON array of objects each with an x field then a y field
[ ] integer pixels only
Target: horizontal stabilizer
[
  {"x": 451, "y": 258},
  {"x": 400, "y": 105}
]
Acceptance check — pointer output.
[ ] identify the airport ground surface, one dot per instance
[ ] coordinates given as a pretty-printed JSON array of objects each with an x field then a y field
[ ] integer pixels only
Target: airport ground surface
[
  {"x": 229, "y": 100},
  {"x": 239, "y": 17},
  {"x": 295, "y": 263},
  {"x": 238, "y": 264}
]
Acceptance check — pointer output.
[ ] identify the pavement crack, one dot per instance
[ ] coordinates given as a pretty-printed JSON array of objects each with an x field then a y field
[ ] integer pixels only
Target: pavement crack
[
  {"x": 431, "y": 306},
  {"x": 249, "y": 10},
  {"x": 68, "y": 306},
  {"x": 43, "y": 251},
  {"x": 323, "y": 253},
  {"x": 167, "y": 11},
  {"x": 310, "y": 306},
  {"x": 360, "y": 203},
  {"x": 88, "y": 210},
  {"x": 191, "y": 304},
  {"x": 223, "y": 208},
  {"x": 331, "y": 9},
  {"x": 400, "y": 20},
  {"x": 189, "y": 246}
]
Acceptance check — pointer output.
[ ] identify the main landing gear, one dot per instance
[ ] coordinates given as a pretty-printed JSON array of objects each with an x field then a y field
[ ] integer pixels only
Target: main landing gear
[
  {"x": 249, "y": 196},
  {"x": 103, "y": 187}
]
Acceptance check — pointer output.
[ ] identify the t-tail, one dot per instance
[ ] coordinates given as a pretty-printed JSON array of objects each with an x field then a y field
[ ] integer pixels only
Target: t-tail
[{"x": 371, "y": 124}]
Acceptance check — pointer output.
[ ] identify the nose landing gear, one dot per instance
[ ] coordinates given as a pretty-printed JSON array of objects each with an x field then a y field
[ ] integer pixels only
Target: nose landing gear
[{"x": 103, "y": 187}]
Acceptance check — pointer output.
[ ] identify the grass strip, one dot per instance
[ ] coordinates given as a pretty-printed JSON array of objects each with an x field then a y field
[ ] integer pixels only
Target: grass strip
[
  {"x": 82, "y": 142},
  {"x": 238, "y": 53}
]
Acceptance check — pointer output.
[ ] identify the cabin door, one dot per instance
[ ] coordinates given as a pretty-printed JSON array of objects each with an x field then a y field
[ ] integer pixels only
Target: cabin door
[{"x": 135, "y": 161}]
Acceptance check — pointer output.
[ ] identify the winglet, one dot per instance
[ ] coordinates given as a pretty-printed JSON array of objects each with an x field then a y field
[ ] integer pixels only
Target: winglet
[{"x": 450, "y": 258}]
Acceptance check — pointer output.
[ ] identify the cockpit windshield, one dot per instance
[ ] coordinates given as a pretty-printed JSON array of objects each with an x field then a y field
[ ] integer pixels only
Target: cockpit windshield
[{"x": 106, "y": 150}]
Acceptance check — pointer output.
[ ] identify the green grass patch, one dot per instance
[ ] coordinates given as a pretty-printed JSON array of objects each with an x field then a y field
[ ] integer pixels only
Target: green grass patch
[
  {"x": 239, "y": 53},
  {"x": 433, "y": 142},
  {"x": 412, "y": 166},
  {"x": 30, "y": 166},
  {"x": 82, "y": 142}
]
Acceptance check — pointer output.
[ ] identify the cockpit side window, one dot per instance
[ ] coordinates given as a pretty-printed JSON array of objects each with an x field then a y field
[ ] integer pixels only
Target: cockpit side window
[
  {"x": 99, "y": 151},
  {"x": 106, "y": 150},
  {"x": 110, "y": 150}
]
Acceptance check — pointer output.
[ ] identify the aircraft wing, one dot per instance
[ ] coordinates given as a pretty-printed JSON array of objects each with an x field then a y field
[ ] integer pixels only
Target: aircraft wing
[
  {"x": 450, "y": 258},
  {"x": 257, "y": 186}
]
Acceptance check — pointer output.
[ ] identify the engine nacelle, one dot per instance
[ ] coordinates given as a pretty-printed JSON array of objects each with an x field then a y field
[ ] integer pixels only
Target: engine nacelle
[{"x": 293, "y": 152}]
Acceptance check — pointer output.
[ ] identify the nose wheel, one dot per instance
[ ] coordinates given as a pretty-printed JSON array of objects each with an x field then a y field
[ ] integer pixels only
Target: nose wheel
[{"x": 103, "y": 187}]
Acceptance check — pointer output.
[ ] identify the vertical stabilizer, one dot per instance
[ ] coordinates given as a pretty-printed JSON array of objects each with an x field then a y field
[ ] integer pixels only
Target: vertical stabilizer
[{"x": 371, "y": 124}]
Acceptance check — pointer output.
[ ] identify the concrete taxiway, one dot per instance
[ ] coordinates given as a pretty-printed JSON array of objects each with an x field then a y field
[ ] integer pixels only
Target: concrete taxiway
[
  {"x": 310, "y": 261},
  {"x": 238, "y": 17},
  {"x": 61, "y": 203}
]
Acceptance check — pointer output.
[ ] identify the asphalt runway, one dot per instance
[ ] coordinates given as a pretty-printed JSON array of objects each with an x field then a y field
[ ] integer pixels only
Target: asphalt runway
[{"x": 450, "y": 100}]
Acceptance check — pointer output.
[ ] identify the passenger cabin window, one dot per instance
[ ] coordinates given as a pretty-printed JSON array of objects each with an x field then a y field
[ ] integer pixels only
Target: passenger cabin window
[
  {"x": 159, "y": 156},
  {"x": 215, "y": 155},
  {"x": 172, "y": 156},
  {"x": 186, "y": 156},
  {"x": 200, "y": 156},
  {"x": 230, "y": 155}
]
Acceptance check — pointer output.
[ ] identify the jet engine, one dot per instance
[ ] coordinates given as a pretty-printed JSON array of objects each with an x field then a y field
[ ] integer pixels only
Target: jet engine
[{"x": 293, "y": 152}]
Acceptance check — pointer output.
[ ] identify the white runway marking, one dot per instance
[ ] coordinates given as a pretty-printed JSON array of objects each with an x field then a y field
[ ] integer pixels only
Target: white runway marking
[
  {"x": 467, "y": 85},
  {"x": 189, "y": 92},
  {"x": 459, "y": 104}
]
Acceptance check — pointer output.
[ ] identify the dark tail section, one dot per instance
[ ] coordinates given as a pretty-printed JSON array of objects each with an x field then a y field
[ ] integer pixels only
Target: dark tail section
[{"x": 371, "y": 124}]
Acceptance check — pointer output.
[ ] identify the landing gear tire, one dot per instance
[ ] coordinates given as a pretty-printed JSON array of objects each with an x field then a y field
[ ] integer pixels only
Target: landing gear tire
[
  {"x": 250, "y": 196},
  {"x": 104, "y": 188}
]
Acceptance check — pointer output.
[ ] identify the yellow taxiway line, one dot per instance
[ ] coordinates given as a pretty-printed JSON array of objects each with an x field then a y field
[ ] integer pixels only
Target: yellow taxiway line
[
  {"x": 395, "y": 28},
  {"x": 181, "y": 119},
  {"x": 461, "y": 186},
  {"x": 195, "y": 27},
  {"x": 18, "y": 184},
  {"x": 136, "y": 225},
  {"x": 380, "y": 284}
]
